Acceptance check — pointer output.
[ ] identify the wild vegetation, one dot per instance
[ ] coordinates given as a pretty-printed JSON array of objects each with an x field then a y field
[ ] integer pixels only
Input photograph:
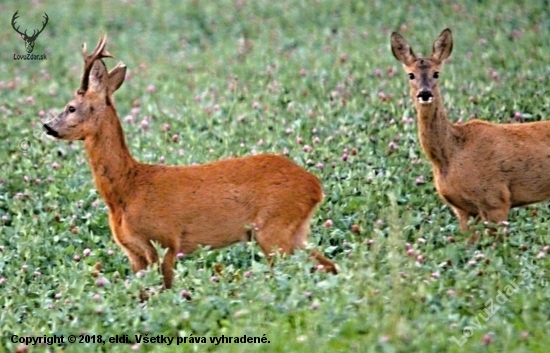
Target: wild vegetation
[{"x": 315, "y": 81}]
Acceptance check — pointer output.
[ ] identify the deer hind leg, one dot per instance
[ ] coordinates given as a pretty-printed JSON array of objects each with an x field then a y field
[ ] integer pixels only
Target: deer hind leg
[
  {"x": 274, "y": 234},
  {"x": 168, "y": 267},
  {"x": 300, "y": 241},
  {"x": 284, "y": 237}
]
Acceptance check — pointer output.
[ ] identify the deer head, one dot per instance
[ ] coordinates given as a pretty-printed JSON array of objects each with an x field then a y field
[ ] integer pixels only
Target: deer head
[
  {"x": 423, "y": 72},
  {"x": 92, "y": 102},
  {"x": 29, "y": 40}
]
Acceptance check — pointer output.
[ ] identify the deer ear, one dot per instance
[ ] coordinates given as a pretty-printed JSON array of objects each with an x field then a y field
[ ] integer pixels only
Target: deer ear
[
  {"x": 116, "y": 77},
  {"x": 401, "y": 49},
  {"x": 98, "y": 77},
  {"x": 443, "y": 45}
]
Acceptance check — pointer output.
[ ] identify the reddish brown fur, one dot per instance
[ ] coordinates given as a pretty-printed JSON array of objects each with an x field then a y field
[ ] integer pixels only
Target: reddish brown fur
[
  {"x": 267, "y": 197},
  {"x": 480, "y": 168}
]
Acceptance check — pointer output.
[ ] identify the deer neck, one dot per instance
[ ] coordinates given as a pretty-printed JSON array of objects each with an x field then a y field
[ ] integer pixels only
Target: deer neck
[
  {"x": 112, "y": 164},
  {"x": 435, "y": 132}
]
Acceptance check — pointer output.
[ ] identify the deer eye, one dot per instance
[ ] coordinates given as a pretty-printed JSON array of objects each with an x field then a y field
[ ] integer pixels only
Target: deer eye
[
  {"x": 72, "y": 109},
  {"x": 436, "y": 74},
  {"x": 411, "y": 76}
]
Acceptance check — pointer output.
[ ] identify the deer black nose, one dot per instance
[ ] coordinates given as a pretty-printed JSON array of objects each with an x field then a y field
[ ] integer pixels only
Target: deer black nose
[
  {"x": 50, "y": 131},
  {"x": 424, "y": 95}
]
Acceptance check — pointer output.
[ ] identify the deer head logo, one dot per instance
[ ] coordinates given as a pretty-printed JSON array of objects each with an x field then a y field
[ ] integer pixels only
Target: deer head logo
[{"x": 29, "y": 40}]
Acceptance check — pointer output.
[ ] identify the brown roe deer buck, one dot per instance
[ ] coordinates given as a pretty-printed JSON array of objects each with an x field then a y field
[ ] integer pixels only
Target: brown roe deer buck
[
  {"x": 480, "y": 169},
  {"x": 267, "y": 197}
]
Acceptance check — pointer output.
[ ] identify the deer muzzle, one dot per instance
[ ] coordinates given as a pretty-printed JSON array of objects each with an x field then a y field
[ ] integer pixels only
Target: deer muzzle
[
  {"x": 50, "y": 131},
  {"x": 425, "y": 97}
]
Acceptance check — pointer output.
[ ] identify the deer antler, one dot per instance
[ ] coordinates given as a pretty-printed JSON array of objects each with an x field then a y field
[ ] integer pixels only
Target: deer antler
[
  {"x": 98, "y": 53},
  {"x": 13, "y": 19}
]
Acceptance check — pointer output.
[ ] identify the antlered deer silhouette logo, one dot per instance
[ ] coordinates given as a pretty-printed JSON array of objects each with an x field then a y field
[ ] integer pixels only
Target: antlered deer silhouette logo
[{"x": 29, "y": 40}]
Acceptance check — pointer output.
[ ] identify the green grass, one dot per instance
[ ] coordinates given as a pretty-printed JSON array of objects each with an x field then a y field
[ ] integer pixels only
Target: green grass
[{"x": 232, "y": 78}]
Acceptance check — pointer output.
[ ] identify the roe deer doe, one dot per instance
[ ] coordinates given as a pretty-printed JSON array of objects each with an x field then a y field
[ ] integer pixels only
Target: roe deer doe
[
  {"x": 480, "y": 169},
  {"x": 267, "y": 197}
]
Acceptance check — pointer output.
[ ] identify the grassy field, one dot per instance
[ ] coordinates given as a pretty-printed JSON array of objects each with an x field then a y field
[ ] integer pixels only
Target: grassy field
[{"x": 315, "y": 80}]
